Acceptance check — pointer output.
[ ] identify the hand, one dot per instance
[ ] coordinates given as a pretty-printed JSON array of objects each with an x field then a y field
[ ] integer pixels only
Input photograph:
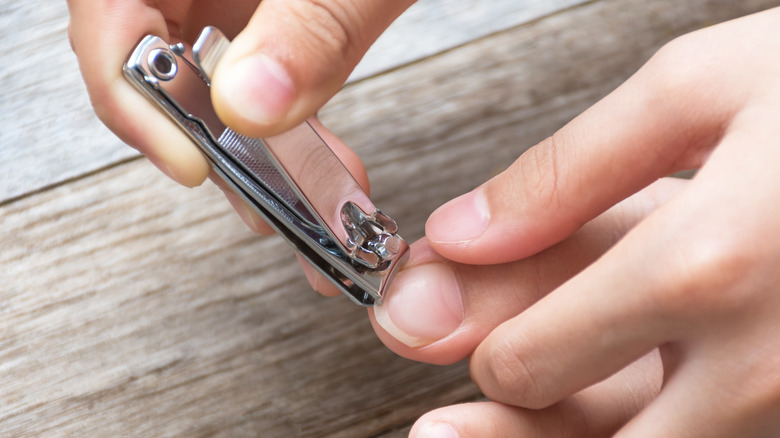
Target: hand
[
  {"x": 284, "y": 63},
  {"x": 438, "y": 311},
  {"x": 698, "y": 278}
]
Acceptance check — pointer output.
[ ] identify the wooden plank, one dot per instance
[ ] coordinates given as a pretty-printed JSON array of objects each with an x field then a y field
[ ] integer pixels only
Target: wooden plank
[
  {"x": 131, "y": 306},
  {"x": 170, "y": 318},
  {"x": 50, "y": 134},
  {"x": 429, "y": 27}
]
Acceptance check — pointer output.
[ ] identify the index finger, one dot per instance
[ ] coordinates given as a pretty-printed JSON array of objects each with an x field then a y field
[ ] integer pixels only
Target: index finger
[{"x": 664, "y": 119}]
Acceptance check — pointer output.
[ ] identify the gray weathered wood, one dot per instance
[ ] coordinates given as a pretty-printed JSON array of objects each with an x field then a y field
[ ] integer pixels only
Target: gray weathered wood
[
  {"x": 50, "y": 134},
  {"x": 429, "y": 27},
  {"x": 130, "y": 306},
  {"x": 171, "y": 318}
]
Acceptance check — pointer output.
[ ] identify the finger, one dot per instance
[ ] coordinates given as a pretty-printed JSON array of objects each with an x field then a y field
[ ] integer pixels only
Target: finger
[
  {"x": 663, "y": 119},
  {"x": 292, "y": 57},
  {"x": 671, "y": 279},
  {"x": 581, "y": 333},
  {"x": 437, "y": 311},
  {"x": 725, "y": 380},
  {"x": 247, "y": 214},
  {"x": 103, "y": 34},
  {"x": 687, "y": 409},
  {"x": 712, "y": 394},
  {"x": 598, "y": 411},
  {"x": 317, "y": 281}
]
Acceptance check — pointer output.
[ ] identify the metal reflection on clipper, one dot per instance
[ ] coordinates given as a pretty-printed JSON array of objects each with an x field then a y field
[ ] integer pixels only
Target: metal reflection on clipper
[{"x": 293, "y": 180}]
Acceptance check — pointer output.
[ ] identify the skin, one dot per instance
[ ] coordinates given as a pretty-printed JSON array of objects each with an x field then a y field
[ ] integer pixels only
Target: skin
[
  {"x": 316, "y": 59},
  {"x": 697, "y": 278},
  {"x": 591, "y": 298}
]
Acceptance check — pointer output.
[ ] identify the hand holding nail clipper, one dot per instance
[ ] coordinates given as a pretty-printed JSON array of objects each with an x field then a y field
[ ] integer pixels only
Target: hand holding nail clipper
[
  {"x": 657, "y": 317},
  {"x": 314, "y": 203}
]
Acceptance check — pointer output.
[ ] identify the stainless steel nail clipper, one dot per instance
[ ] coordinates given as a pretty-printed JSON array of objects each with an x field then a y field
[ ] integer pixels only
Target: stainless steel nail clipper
[{"x": 293, "y": 180}]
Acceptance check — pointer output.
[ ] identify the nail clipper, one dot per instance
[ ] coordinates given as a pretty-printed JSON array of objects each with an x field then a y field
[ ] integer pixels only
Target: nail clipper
[{"x": 294, "y": 181}]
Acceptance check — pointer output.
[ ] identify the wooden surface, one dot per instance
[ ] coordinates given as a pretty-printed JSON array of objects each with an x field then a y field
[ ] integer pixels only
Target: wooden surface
[
  {"x": 57, "y": 138},
  {"x": 130, "y": 306}
]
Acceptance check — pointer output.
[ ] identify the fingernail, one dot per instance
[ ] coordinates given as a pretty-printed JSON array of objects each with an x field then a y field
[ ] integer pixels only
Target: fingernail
[
  {"x": 423, "y": 305},
  {"x": 258, "y": 88},
  {"x": 437, "y": 430},
  {"x": 461, "y": 220}
]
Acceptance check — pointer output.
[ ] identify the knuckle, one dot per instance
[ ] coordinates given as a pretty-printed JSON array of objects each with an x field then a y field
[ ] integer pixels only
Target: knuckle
[
  {"x": 331, "y": 24},
  {"x": 704, "y": 277},
  {"x": 672, "y": 87},
  {"x": 505, "y": 377},
  {"x": 539, "y": 174},
  {"x": 541, "y": 177},
  {"x": 676, "y": 68}
]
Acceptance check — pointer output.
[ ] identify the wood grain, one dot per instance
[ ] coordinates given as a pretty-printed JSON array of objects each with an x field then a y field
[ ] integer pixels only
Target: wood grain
[
  {"x": 170, "y": 318},
  {"x": 130, "y": 306},
  {"x": 430, "y": 27},
  {"x": 50, "y": 134}
]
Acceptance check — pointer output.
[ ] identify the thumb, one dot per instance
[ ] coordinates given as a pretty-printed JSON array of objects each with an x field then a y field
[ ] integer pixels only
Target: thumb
[
  {"x": 292, "y": 57},
  {"x": 660, "y": 121}
]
